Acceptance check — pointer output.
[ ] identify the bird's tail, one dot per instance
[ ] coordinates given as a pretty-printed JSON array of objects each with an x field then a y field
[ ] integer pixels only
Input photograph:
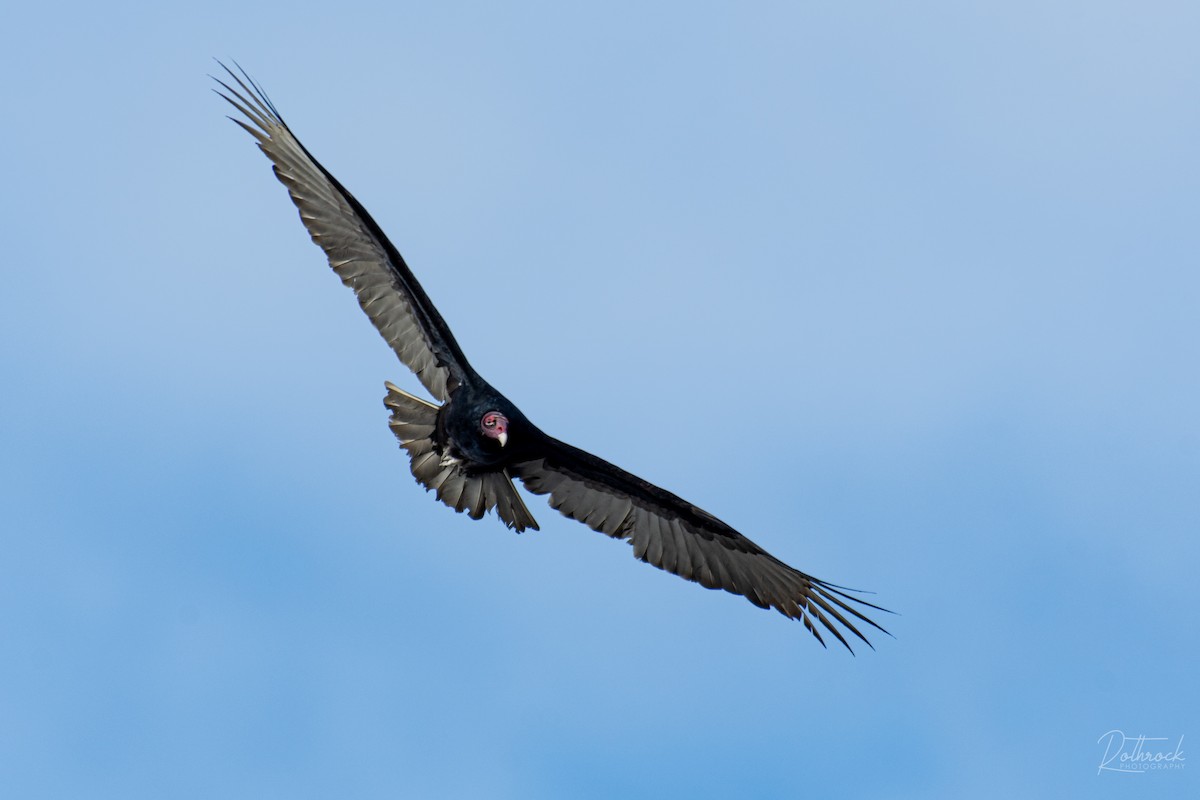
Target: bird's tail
[{"x": 414, "y": 422}]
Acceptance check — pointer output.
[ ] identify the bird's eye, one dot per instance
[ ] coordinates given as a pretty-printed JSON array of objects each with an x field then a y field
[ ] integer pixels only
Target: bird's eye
[{"x": 490, "y": 422}]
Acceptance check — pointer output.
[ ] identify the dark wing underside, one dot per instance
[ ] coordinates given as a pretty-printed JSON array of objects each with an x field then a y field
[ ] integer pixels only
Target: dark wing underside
[
  {"x": 675, "y": 536},
  {"x": 357, "y": 249}
]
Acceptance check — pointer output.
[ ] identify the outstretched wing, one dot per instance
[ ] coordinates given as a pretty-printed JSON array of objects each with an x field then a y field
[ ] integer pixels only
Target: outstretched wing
[
  {"x": 676, "y": 536},
  {"x": 358, "y": 250}
]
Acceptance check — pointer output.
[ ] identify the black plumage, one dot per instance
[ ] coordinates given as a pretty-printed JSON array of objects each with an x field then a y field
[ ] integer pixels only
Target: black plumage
[{"x": 468, "y": 447}]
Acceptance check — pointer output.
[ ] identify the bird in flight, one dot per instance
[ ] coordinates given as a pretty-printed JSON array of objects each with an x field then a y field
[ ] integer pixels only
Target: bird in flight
[{"x": 471, "y": 444}]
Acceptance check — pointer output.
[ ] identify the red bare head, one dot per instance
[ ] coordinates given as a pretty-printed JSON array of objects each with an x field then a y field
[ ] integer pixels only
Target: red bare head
[{"x": 494, "y": 425}]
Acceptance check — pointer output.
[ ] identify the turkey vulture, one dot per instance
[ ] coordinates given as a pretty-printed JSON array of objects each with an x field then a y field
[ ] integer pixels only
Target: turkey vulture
[{"x": 470, "y": 445}]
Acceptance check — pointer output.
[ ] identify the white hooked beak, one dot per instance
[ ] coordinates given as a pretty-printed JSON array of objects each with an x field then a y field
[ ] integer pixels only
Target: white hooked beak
[{"x": 502, "y": 438}]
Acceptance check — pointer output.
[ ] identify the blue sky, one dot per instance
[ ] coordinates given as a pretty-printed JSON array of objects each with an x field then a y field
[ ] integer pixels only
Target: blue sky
[{"x": 905, "y": 292}]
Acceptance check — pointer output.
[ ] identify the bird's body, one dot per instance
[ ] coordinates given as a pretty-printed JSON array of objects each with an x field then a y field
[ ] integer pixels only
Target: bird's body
[{"x": 470, "y": 445}]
